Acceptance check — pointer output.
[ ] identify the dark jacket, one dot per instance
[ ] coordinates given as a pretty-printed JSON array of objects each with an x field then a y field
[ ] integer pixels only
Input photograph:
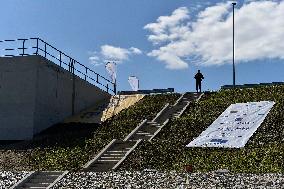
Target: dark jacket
[{"x": 198, "y": 77}]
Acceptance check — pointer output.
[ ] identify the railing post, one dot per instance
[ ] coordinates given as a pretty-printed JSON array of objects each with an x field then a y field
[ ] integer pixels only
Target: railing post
[
  {"x": 97, "y": 78},
  {"x": 36, "y": 46},
  {"x": 114, "y": 88},
  {"x": 73, "y": 88},
  {"x": 23, "y": 47},
  {"x": 86, "y": 73},
  {"x": 60, "y": 58},
  {"x": 45, "y": 50},
  {"x": 69, "y": 65},
  {"x": 107, "y": 87}
]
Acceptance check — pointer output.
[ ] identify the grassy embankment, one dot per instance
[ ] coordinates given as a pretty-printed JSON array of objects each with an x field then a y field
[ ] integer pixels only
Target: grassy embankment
[
  {"x": 70, "y": 153},
  {"x": 263, "y": 153}
]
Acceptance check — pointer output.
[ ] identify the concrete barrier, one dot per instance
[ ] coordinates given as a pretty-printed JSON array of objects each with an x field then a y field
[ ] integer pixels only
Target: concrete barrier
[{"x": 35, "y": 94}]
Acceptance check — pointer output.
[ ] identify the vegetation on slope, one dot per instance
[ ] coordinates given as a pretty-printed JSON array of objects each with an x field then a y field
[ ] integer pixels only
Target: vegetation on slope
[
  {"x": 264, "y": 152},
  {"x": 71, "y": 154}
]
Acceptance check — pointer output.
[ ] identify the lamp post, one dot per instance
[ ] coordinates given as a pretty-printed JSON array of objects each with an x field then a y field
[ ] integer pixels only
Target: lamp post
[{"x": 234, "y": 74}]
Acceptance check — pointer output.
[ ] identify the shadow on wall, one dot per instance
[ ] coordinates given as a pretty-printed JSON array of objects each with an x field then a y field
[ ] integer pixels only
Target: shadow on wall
[{"x": 60, "y": 135}]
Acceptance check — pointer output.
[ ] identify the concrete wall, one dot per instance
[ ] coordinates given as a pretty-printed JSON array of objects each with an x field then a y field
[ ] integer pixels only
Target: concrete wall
[
  {"x": 54, "y": 95},
  {"x": 17, "y": 94},
  {"x": 36, "y": 94}
]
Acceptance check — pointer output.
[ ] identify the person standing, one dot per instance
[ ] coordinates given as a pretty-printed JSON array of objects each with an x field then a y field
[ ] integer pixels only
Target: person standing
[{"x": 198, "y": 77}]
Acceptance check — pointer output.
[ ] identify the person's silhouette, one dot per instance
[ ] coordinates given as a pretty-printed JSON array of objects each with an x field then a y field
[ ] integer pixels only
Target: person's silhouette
[{"x": 198, "y": 77}]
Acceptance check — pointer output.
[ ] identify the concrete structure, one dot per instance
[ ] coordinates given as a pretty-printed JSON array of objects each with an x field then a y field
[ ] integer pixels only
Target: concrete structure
[{"x": 35, "y": 94}]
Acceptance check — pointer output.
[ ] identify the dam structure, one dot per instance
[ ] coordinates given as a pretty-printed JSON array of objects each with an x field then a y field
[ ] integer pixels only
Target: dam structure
[{"x": 41, "y": 86}]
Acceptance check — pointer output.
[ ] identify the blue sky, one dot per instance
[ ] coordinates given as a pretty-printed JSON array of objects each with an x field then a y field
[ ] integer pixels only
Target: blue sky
[{"x": 162, "y": 42}]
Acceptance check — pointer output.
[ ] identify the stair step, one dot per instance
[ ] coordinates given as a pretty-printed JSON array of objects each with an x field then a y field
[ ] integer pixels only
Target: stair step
[
  {"x": 118, "y": 151},
  {"x": 45, "y": 177},
  {"x": 110, "y": 160},
  {"x": 41, "y": 180},
  {"x": 134, "y": 140},
  {"x": 53, "y": 174},
  {"x": 150, "y": 122},
  {"x": 113, "y": 154},
  {"x": 36, "y": 184},
  {"x": 143, "y": 133},
  {"x": 153, "y": 123},
  {"x": 112, "y": 157}
]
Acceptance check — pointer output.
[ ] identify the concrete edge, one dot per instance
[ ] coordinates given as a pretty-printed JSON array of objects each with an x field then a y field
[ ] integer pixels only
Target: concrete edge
[
  {"x": 134, "y": 130},
  {"x": 159, "y": 129},
  {"x": 20, "y": 182},
  {"x": 129, "y": 151},
  {"x": 179, "y": 99},
  {"x": 99, "y": 154},
  {"x": 56, "y": 180},
  {"x": 158, "y": 114}
]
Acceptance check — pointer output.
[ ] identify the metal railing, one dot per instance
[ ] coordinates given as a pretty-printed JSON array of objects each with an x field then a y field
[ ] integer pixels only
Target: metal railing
[{"x": 37, "y": 46}]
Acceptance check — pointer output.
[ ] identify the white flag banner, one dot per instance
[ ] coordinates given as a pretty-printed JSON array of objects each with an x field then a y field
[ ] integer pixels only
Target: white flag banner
[
  {"x": 110, "y": 67},
  {"x": 134, "y": 83},
  {"x": 234, "y": 127}
]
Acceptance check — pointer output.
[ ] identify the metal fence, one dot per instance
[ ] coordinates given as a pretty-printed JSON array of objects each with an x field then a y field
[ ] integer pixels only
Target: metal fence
[{"x": 37, "y": 46}]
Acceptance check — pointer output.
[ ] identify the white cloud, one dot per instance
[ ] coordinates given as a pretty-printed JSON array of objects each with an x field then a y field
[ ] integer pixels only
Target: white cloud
[
  {"x": 112, "y": 53},
  {"x": 135, "y": 50},
  {"x": 165, "y": 27},
  {"x": 116, "y": 53},
  {"x": 207, "y": 40},
  {"x": 95, "y": 60}
]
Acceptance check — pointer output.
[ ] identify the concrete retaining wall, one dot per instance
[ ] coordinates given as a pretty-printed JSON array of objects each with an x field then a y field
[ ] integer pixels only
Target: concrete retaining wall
[{"x": 36, "y": 94}]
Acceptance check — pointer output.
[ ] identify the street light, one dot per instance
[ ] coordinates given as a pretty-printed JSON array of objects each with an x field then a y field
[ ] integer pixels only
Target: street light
[{"x": 234, "y": 74}]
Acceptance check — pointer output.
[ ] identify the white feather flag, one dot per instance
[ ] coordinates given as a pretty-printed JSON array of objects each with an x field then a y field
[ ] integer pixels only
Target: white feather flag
[
  {"x": 111, "y": 69},
  {"x": 134, "y": 83}
]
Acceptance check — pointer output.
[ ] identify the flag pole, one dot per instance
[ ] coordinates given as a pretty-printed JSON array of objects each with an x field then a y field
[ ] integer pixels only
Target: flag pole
[{"x": 234, "y": 72}]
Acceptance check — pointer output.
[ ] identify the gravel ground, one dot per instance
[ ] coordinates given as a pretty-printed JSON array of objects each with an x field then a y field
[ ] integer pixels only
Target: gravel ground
[
  {"x": 154, "y": 179},
  {"x": 12, "y": 160},
  {"x": 8, "y": 178}
]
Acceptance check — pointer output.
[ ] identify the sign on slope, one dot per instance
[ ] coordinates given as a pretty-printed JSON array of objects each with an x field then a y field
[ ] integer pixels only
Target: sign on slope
[{"x": 234, "y": 127}]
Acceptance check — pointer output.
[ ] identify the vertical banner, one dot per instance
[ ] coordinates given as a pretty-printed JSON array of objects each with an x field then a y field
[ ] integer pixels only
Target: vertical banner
[
  {"x": 111, "y": 69},
  {"x": 134, "y": 83}
]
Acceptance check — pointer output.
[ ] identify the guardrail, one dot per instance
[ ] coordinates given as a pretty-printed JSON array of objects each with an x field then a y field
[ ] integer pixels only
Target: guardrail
[{"x": 37, "y": 46}]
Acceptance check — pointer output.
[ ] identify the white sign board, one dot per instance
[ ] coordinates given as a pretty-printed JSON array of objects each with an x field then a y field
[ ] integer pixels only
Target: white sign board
[{"x": 234, "y": 127}]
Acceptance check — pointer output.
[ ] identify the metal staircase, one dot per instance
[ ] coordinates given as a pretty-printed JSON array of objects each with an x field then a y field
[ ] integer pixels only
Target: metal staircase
[
  {"x": 39, "y": 180},
  {"x": 111, "y": 156},
  {"x": 117, "y": 150}
]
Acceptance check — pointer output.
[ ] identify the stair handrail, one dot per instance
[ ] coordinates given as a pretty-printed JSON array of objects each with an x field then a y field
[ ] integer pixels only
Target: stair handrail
[
  {"x": 159, "y": 129},
  {"x": 179, "y": 99},
  {"x": 42, "y": 48},
  {"x": 99, "y": 154},
  {"x": 162, "y": 110},
  {"x": 20, "y": 182},
  {"x": 58, "y": 179},
  {"x": 199, "y": 97},
  {"x": 134, "y": 130},
  {"x": 127, "y": 153}
]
